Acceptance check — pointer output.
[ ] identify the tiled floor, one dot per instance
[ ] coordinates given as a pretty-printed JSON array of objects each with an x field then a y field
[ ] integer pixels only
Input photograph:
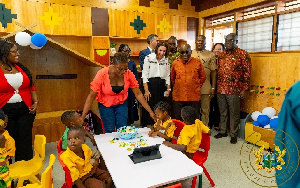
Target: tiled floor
[{"x": 223, "y": 164}]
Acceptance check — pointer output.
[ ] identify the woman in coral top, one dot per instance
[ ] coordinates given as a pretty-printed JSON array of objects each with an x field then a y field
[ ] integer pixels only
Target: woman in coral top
[
  {"x": 110, "y": 88},
  {"x": 18, "y": 99}
]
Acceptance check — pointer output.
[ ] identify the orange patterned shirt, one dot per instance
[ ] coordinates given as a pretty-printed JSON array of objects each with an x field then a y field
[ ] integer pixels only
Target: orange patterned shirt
[{"x": 234, "y": 71}]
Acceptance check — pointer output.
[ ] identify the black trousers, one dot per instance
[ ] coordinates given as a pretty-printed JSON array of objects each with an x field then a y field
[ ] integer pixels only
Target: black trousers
[
  {"x": 156, "y": 87},
  {"x": 19, "y": 126},
  {"x": 178, "y": 105}
]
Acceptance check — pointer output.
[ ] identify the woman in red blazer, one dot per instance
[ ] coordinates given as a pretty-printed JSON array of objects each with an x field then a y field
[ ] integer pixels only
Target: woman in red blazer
[{"x": 18, "y": 99}]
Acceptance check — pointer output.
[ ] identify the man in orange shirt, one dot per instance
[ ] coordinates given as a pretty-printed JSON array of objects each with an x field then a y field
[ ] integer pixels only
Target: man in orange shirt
[{"x": 187, "y": 77}]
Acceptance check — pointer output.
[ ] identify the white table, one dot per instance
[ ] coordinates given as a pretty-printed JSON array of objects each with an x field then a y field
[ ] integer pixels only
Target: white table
[{"x": 172, "y": 167}]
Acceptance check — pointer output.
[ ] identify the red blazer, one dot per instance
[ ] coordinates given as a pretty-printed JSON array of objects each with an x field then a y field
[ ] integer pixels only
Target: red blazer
[{"x": 7, "y": 91}]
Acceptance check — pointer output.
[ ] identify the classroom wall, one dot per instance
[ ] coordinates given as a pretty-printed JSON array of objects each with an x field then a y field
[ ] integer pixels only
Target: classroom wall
[
  {"x": 272, "y": 73},
  {"x": 75, "y": 21}
]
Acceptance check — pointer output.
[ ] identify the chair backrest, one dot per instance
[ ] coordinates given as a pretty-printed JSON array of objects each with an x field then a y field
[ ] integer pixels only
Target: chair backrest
[
  {"x": 205, "y": 142},
  {"x": 59, "y": 146},
  {"x": 68, "y": 180},
  {"x": 47, "y": 178},
  {"x": 39, "y": 148},
  {"x": 178, "y": 185},
  {"x": 179, "y": 126}
]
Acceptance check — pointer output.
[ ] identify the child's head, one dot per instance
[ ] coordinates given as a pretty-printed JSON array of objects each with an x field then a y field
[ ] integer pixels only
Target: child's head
[
  {"x": 3, "y": 121},
  {"x": 189, "y": 115},
  {"x": 71, "y": 118},
  {"x": 161, "y": 110},
  {"x": 75, "y": 138}
]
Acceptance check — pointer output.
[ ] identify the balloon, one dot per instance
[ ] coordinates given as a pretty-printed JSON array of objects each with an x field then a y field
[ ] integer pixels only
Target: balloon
[
  {"x": 273, "y": 123},
  {"x": 23, "y": 38},
  {"x": 256, "y": 123},
  {"x": 269, "y": 111},
  {"x": 267, "y": 126},
  {"x": 263, "y": 120},
  {"x": 255, "y": 114},
  {"x": 34, "y": 46},
  {"x": 38, "y": 39}
]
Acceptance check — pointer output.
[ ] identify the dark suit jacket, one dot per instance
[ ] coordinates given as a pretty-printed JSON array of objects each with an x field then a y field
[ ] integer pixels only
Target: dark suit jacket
[{"x": 142, "y": 56}]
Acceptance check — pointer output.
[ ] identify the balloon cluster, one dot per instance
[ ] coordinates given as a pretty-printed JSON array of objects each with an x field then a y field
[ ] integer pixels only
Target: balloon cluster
[
  {"x": 266, "y": 118},
  {"x": 36, "y": 41}
]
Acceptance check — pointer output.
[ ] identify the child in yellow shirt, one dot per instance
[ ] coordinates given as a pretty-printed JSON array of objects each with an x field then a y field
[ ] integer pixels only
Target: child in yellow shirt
[
  {"x": 78, "y": 158},
  {"x": 70, "y": 119},
  {"x": 10, "y": 142},
  {"x": 190, "y": 136},
  {"x": 164, "y": 127}
]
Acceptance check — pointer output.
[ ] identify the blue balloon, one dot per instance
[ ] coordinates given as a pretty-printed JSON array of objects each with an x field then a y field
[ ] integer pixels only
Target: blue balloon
[
  {"x": 38, "y": 39},
  {"x": 273, "y": 123},
  {"x": 263, "y": 120},
  {"x": 256, "y": 123}
]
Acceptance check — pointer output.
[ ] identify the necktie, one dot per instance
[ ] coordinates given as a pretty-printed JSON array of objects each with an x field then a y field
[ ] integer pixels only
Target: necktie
[{"x": 152, "y": 51}]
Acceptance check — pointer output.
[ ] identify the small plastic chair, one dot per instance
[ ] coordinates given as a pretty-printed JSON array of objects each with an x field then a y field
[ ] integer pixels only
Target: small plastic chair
[
  {"x": 200, "y": 157},
  {"x": 178, "y": 185},
  {"x": 27, "y": 170},
  {"x": 47, "y": 178},
  {"x": 179, "y": 126},
  {"x": 68, "y": 180},
  {"x": 59, "y": 146}
]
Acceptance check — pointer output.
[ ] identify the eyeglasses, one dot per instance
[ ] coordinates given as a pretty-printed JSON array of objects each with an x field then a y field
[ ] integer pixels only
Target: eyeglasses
[
  {"x": 15, "y": 52},
  {"x": 184, "y": 52}
]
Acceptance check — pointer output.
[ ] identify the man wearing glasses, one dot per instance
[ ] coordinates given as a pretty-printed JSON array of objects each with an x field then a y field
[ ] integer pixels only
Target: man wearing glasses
[
  {"x": 187, "y": 76},
  {"x": 234, "y": 71}
]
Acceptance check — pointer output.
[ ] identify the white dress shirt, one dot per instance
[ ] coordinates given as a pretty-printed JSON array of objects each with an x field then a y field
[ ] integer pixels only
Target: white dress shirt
[{"x": 152, "y": 68}]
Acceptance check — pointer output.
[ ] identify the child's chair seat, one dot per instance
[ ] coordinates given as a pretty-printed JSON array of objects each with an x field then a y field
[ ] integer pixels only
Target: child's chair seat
[
  {"x": 47, "y": 179},
  {"x": 27, "y": 170}
]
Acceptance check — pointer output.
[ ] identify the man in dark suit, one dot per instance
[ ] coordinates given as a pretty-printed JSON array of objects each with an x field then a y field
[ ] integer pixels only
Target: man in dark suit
[{"x": 152, "y": 40}]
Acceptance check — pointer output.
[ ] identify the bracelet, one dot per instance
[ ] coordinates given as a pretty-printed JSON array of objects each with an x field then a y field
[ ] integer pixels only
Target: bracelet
[
  {"x": 169, "y": 89},
  {"x": 213, "y": 88},
  {"x": 36, "y": 102}
]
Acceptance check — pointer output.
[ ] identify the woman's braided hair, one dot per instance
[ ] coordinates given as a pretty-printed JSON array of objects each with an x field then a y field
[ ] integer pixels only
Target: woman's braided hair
[{"x": 5, "y": 46}]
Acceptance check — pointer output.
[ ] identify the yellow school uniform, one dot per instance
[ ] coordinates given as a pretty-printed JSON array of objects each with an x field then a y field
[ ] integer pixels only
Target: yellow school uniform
[
  {"x": 191, "y": 136},
  {"x": 9, "y": 144},
  {"x": 171, "y": 129},
  {"x": 78, "y": 167}
]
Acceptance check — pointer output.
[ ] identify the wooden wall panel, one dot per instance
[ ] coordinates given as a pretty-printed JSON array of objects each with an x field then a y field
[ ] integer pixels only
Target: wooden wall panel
[
  {"x": 77, "y": 21},
  {"x": 101, "y": 42},
  {"x": 156, "y": 6},
  {"x": 268, "y": 70},
  {"x": 123, "y": 28}
]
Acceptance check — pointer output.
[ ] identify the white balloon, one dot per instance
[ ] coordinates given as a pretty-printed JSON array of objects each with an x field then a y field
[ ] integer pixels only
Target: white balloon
[
  {"x": 269, "y": 111},
  {"x": 255, "y": 115},
  {"x": 23, "y": 38},
  {"x": 34, "y": 46},
  {"x": 267, "y": 126},
  {"x": 274, "y": 117}
]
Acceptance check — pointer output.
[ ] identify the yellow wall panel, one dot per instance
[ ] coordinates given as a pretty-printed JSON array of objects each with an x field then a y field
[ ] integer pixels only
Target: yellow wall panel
[
  {"x": 269, "y": 71},
  {"x": 101, "y": 42}
]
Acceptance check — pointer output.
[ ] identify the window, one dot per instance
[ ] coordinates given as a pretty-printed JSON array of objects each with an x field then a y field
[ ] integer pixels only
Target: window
[
  {"x": 256, "y": 35},
  {"x": 289, "y": 32}
]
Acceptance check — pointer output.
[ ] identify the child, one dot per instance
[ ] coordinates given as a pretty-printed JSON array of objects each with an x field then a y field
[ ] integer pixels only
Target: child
[
  {"x": 10, "y": 142},
  {"x": 5, "y": 179},
  {"x": 70, "y": 119},
  {"x": 78, "y": 159},
  {"x": 190, "y": 136},
  {"x": 164, "y": 127}
]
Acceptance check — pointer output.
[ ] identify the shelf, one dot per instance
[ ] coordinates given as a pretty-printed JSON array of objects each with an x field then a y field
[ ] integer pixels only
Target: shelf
[{"x": 130, "y": 55}]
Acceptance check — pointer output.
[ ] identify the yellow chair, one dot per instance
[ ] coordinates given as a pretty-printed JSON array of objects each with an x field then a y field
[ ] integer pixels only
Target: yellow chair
[
  {"x": 47, "y": 180},
  {"x": 27, "y": 170}
]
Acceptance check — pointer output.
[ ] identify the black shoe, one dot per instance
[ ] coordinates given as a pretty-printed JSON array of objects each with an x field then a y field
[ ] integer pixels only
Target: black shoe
[
  {"x": 233, "y": 140},
  {"x": 220, "y": 135}
]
